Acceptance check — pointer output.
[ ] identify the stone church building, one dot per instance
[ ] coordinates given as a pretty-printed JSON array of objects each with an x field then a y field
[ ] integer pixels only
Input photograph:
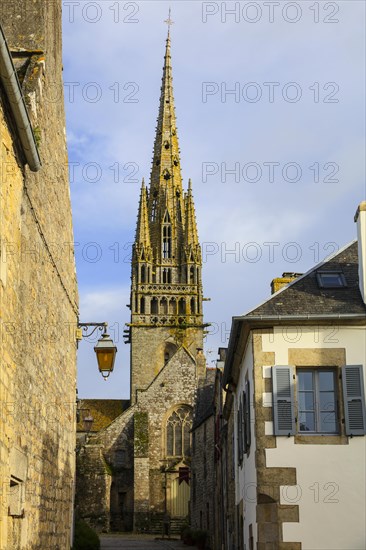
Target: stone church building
[{"x": 134, "y": 469}]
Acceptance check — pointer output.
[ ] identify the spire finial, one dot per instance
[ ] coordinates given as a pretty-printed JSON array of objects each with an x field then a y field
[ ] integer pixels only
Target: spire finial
[{"x": 169, "y": 21}]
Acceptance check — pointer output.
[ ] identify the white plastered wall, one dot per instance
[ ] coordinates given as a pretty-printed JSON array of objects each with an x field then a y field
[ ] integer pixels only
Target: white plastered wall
[
  {"x": 245, "y": 475},
  {"x": 331, "y": 480}
]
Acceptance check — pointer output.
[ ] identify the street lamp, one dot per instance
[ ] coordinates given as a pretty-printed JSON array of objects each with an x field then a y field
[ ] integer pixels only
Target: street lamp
[{"x": 105, "y": 348}]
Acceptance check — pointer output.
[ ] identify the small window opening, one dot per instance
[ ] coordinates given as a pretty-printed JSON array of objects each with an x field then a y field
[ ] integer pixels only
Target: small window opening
[{"x": 331, "y": 279}]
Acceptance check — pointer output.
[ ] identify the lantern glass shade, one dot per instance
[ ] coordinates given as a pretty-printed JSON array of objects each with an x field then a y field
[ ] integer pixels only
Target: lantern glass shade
[{"x": 106, "y": 354}]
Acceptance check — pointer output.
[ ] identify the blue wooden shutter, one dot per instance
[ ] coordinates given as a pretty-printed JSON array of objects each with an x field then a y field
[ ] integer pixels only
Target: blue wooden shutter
[
  {"x": 245, "y": 437},
  {"x": 240, "y": 431},
  {"x": 283, "y": 401},
  {"x": 354, "y": 399},
  {"x": 246, "y": 417}
]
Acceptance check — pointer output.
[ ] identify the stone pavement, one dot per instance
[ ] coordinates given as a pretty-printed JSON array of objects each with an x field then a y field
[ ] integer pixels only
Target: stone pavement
[{"x": 138, "y": 542}]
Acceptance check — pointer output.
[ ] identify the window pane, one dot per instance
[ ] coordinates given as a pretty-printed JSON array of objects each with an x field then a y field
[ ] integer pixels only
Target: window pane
[
  {"x": 169, "y": 440},
  {"x": 307, "y": 422},
  {"x": 306, "y": 401},
  {"x": 331, "y": 279},
  {"x": 187, "y": 446},
  {"x": 326, "y": 381},
  {"x": 305, "y": 380},
  {"x": 327, "y": 401},
  {"x": 328, "y": 422},
  {"x": 178, "y": 439}
]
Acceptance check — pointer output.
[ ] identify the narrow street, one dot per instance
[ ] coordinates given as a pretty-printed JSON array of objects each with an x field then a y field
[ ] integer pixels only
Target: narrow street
[{"x": 138, "y": 542}]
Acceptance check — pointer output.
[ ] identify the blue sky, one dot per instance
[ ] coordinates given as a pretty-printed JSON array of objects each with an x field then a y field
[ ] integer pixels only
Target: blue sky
[{"x": 270, "y": 109}]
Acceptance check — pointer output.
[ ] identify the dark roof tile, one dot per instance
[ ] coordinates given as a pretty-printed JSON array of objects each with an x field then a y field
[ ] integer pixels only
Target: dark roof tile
[
  {"x": 103, "y": 411},
  {"x": 305, "y": 297}
]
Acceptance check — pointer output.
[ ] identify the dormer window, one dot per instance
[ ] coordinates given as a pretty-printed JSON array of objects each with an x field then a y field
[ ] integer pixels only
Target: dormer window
[{"x": 331, "y": 279}]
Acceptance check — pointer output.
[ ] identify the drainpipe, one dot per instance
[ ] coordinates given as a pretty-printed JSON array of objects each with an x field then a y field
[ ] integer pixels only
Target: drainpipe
[{"x": 12, "y": 87}]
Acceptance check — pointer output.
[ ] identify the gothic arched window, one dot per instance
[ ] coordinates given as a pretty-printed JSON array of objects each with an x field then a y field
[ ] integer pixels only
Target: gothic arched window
[
  {"x": 143, "y": 274},
  {"x": 164, "y": 306},
  {"x": 154, "y": 306},
  {"x": 178, "y": 436},
  {"x": 172, "y": 307},
  {"x": 182, "y": 307},
  {"x": 167, "y": 275},
  {"x": 167, "y": 241}
]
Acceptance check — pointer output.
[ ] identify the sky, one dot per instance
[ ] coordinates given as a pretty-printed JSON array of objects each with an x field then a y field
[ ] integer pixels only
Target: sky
[{"x": 270, "y": 111}]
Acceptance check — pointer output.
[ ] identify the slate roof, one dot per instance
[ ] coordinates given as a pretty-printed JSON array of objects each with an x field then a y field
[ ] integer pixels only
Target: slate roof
[
  {"x": 205, "y": 400},
  {"x": 103, "y": 411},
  {"x": 305, "y": 297}
]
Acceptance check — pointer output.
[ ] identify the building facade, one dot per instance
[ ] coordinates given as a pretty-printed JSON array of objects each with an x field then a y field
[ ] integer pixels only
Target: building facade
[
  {"x": 295, "y": 376},
  {"x": 203, "y": 476},
  {"x": 38, "y": 291},
  {"x": 147, "y": 449}
]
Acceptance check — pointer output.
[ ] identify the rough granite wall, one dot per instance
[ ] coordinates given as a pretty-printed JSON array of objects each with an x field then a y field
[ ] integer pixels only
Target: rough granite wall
[
  {"x": 105, "y": 500},
  {"x": 38, "y": 297},
  {"x": 148, "y": 345},
  {"x": 175, "y": 385},
  {"x": 134, "y": 452},
  {"x": 92, "y": 502}
]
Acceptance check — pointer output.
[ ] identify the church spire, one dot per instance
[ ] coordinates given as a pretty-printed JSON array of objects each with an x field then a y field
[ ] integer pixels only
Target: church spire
[
  {"x": 191, "y": 233},
  {"x": 142, "y": 240},
  {"x": 166, "y": 170},
  {"x": 166, "y": 287}
]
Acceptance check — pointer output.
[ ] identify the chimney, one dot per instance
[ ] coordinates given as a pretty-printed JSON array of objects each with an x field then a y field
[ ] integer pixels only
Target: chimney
[
  {"x": 280, "y": 282},
  {"x": 360, "y": 218}
]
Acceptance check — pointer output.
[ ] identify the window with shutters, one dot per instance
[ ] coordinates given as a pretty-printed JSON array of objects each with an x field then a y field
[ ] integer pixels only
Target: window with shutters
[{"x": 317, "y": 401}]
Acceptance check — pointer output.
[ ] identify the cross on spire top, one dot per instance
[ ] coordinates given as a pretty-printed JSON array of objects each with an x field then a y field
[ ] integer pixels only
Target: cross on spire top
[{"x": 169, "y": 21}]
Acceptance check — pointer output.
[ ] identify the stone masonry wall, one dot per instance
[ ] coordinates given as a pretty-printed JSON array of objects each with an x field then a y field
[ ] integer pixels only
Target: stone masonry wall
[
  {"x": 134, "y": 450},
  {"x": 38, "y": 298},
  {"x": 148, "y": 347},
  {"x": 175, "y": 385},
  {"x": 203, "y": 478},
  {"x": 105, "y": 467}
]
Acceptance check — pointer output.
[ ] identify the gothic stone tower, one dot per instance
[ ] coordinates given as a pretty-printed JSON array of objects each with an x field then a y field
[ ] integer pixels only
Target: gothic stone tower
[
  {"x": 166, "y": 290},
  {"x": 166, "y": 329}
]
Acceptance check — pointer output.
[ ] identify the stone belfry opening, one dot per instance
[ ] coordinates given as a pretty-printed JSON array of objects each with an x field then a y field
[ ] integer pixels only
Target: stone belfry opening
[{"x": 166, "y": 287}]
